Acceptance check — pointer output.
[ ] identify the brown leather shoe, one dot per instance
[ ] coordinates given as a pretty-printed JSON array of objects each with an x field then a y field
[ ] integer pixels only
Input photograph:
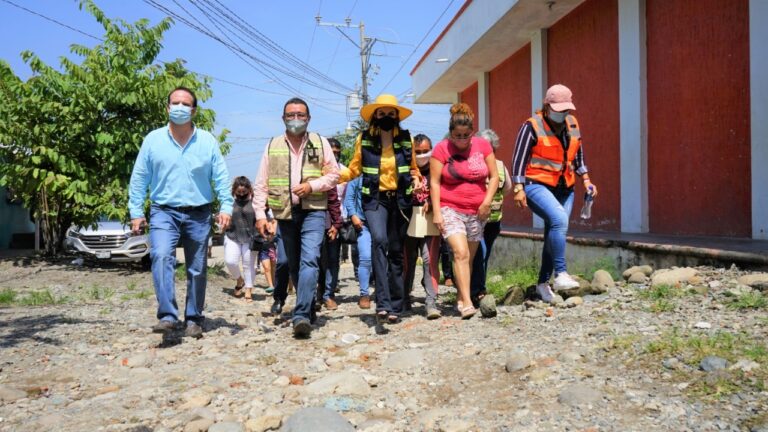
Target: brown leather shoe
[
  {"x": 364, "y": 302},
  {"x": 331, "y": 304}
]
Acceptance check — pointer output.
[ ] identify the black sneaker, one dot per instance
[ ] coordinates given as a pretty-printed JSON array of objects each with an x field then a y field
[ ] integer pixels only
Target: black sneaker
[
  {"x": 193, "y": 330},
  {"x": 277, "y": 307},
  {"x": 302, "y": 328},
  {"x": 164, "y": 326}
]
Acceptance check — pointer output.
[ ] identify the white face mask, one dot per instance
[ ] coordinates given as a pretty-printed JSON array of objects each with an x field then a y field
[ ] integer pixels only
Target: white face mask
[{"x": 423, "y": 159}]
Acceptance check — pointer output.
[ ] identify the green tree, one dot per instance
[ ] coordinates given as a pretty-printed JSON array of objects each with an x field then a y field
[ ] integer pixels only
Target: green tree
[
  {"x": 69, "y": 136},
  {"x": 347, "y": 140}
]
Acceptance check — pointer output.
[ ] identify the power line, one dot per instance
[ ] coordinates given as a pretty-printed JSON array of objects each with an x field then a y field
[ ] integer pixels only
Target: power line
[
  {"x": 402, "y": 65},
  {"x": 54, "y": 21}
]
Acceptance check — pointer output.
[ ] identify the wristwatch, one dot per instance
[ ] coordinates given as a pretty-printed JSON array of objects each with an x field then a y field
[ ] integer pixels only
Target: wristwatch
[{"x": 517, "y": 188}]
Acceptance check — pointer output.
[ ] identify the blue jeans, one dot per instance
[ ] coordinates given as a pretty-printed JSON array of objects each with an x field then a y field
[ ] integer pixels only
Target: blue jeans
[
  {"x": 329, "y": 269},
  {"x": 364, "y": 258},
  {"x": 300, "y": 240},
  {"x": 166, "y": 227},
  {"x": 388, "y": 226},
  {"x": 554, "y": 206},
  {"x": 483, "y": 255}
]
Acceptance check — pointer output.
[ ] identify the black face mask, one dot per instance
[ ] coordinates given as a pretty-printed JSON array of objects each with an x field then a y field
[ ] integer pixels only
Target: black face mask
[
  {"x": 386, "y": 123},
  {"x": 241, "y": 197}
]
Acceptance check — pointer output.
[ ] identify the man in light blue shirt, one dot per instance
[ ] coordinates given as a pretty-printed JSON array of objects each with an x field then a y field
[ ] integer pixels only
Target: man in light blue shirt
[{"x": 177, "y": 163}]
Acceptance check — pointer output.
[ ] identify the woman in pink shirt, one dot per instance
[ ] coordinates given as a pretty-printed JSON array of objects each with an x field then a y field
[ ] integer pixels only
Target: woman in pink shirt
[{"x": 461, "y": 198}]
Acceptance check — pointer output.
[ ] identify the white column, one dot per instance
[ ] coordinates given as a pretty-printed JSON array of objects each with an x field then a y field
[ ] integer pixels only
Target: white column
[
  {"x": 758, "y": 99},
  {"x": 633, "y": 134},
  {"x": 538, "y": 82},
  {"x": 483, "y": 101}
]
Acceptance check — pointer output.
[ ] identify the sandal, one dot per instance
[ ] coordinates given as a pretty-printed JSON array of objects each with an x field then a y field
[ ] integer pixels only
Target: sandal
[
  {"x": 393, "y": 319},
  {"x": 468, "y": 312},
  {"x": 382, "y": 316},
  {"x": 248, "y": 297},
  {"x": 239, "y": 288}
]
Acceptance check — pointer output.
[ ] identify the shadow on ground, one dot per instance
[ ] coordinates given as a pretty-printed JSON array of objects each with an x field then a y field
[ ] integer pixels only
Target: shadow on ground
[{"x": 22, "y": 329}]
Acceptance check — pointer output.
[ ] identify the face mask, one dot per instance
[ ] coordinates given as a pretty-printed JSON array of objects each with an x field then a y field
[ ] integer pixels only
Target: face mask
[
  {"x": 180, "y": 114},
  {"x": 557, "y": 117},
  {"x": 423, "y": 159},
  {"x": 386, "y": 123},
  {"x": 296, "y": 126},
  {"x": 242, "y": 197}
]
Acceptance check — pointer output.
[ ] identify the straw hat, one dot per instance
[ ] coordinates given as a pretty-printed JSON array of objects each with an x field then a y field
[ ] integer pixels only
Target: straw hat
[{"x": 384, "y": 100}]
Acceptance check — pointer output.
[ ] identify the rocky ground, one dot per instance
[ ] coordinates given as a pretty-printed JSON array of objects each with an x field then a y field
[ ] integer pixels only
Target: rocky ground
[{"x": 675, "y": 351}]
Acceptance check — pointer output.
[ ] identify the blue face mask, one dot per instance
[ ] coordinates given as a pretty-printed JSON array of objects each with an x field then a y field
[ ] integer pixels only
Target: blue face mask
[
  {"x": 557, "y": 117},
  {"x": 180, "y": 114}
]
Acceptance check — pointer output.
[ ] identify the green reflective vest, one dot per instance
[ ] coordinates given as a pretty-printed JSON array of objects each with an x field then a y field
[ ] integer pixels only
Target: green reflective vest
[{"x": 279, "y": 183}]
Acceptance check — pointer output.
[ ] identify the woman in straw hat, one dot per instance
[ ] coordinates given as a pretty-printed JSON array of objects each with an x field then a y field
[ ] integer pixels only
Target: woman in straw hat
[
  {"x": 463, "y": 179},
  {"x": 384, "y": 156},
  {"x": 548, "y": 158}
]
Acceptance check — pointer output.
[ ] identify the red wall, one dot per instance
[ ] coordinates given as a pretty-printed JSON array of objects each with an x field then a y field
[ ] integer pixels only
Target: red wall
[
  {"x": 469, "y": 97},
  {"x": 698, "y": 117},
  {"x": 510, "y": 104},
  {"x": 583, "y": 54}
]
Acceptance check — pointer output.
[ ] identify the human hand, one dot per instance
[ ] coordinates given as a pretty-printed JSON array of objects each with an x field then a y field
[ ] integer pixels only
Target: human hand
[
  {"x": 261, "y": 227},
  {"x": 520, "y": 199},
  {"x": 437, "y": 219},
  {"x": 588, "y": 184},
  {"x": 137, "y": 225},
  {"x": 302, "y": 190},
  {"x": 222, "y": 219},
  {"x": 484, "y": 211},
  {"x": 332, "y": 233},
  {"x": 357, "y": 223}
]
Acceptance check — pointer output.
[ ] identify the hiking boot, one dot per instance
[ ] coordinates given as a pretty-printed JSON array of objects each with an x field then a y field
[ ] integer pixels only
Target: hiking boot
[
  {"x": 433, "y": 312},
  {"x": 545, "y": 292},
  {"x": 331, "y": 304},
  {"x": 164, "y": 326},
  {"x": 302, "y": 328},
  {"x": 193, "y": 330},
  {"x": 488, "y": 306},
  {"x": 364, "y": 302},
  {"x": 564, "y": 282},
  {"x": 277, "y": 307}
]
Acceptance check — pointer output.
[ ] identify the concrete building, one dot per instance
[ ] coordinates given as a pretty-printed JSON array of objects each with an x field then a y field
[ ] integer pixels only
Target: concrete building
[{"x": 671, "y": 96}]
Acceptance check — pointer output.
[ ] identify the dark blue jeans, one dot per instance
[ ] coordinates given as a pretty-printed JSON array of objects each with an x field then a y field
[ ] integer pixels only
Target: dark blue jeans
[
  {"x": 388, "y": 227},
  {"x": 166, "y": 226},
  {"x": 480, "y": 264},
  {"x": 329, "y": 269},
  {"x": 554, "y": 205},
  {"x": 299, "y": 250}
]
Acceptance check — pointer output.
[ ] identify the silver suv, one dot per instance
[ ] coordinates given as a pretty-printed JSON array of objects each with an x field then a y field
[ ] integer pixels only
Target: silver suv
[{"x": 110, "y": 241}]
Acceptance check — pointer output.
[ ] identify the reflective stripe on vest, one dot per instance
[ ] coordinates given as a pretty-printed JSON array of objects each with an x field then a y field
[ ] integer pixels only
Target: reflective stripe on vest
[
  {"x": 371, "y": 166},
  {"x": 498, "y": 197},
  {"x": 549, "y": 161}
]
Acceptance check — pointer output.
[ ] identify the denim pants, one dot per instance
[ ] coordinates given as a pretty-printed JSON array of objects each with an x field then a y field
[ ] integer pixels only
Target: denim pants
[
  {"x": 166, "y": 227},
  {"x": 300, "y": 240},
  {"x": 554, "y": 206},
  {"x": 328, "y": 278},
  {"x": 480, "y": 264},
  {"x": 388, "y": 226},
  {"x": 364, "y": 259}
]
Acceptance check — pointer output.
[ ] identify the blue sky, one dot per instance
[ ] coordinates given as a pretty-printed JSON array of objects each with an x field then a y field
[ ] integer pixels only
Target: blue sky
[{"x": 252, "y": 115}]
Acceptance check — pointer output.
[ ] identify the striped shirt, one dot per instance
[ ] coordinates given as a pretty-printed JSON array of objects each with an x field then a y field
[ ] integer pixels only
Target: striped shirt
[{"x": 526, "y": 139}]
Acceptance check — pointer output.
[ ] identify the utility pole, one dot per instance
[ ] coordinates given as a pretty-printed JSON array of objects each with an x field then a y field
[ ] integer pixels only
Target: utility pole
[{"x": 365, "y": 46}]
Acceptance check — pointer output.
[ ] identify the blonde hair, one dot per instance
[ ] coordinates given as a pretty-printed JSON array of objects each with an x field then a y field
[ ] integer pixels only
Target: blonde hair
[{"x": 461, "y": 115}]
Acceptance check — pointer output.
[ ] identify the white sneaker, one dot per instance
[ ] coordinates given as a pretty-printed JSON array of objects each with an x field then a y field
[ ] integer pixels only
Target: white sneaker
[
  {"x": 545, "y": 292},
  {"x": 564, "y": 281}
]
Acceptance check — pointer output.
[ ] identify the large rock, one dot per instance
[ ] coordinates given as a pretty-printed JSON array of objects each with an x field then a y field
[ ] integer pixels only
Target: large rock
[
  {"x": 579, "y": 394},
  {"x": 10, "y": 394},
  {"x": 637, "y": 278},
  {"x": 271, "y": 420},
  {"x": 602, "y": 281},
  {"x": 316, "y": 420},
  {"x": 227, "y": 427},
  {"x": 517, "y": 361},
  {"x": 407, "y": 360},
  {"x": 673, "y": 276},
  {"x": 347, "y": 383},
  {"x": 758, "y": 281},
  {"x": 514, "y": 296},
  {"x": 713, "y": 363},
  {"x": 199, "y": 425},
  {"x": 644, "y": 269}
]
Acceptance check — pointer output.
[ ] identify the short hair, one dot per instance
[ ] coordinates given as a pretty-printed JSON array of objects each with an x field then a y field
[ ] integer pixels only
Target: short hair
[
  {"x": 334, "y": 143},
  {"x": 296, "y": 100},
  {"x": 186, "y": 89},
  {"x": 461, "y": 115},
  {"x": 241, "y": 181},
  {"x": 421, "y": 137},
  {"x": 490, "y": 136}
]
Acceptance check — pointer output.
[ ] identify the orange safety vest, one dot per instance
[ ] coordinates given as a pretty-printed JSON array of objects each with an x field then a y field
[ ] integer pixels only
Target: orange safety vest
[{"x": 549, "y": 160}]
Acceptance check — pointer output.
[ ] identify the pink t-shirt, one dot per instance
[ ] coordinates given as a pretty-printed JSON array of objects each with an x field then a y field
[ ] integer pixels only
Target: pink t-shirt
[{"x": 462, "y": 182}]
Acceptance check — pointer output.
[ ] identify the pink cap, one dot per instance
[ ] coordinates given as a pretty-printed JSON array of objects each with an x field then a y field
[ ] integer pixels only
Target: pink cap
[{"x": 559, "y": 98}]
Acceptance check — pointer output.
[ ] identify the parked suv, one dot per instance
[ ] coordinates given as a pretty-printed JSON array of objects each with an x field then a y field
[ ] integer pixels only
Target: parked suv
[{"x": 110, "y": 241}]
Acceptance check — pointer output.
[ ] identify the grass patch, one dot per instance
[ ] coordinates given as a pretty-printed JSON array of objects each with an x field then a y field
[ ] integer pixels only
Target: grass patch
[
  {"x": 661, "y": 297},
  {"x": 131, "y": 286},
  {"x": 40, "y": 298},
  {"x": 449, "y": 298},
  {"x": 588, "y": 269},
  {"x": 521, "y": 276},
  {"x": 97, "y": 293},
  {"x": 751, "y": 300},
  {"x": 7, "y": 296},
  {"x": 217, "y": 269},
  {"x": 141, "y": 295}
]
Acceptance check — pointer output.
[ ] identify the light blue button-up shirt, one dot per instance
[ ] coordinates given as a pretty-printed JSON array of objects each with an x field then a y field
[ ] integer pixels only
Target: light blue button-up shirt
[{"x": 179, "y": 176}]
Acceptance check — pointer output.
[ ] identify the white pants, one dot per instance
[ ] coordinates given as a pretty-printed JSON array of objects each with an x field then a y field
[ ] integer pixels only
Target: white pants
[{"x": 234, "y": 253}]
